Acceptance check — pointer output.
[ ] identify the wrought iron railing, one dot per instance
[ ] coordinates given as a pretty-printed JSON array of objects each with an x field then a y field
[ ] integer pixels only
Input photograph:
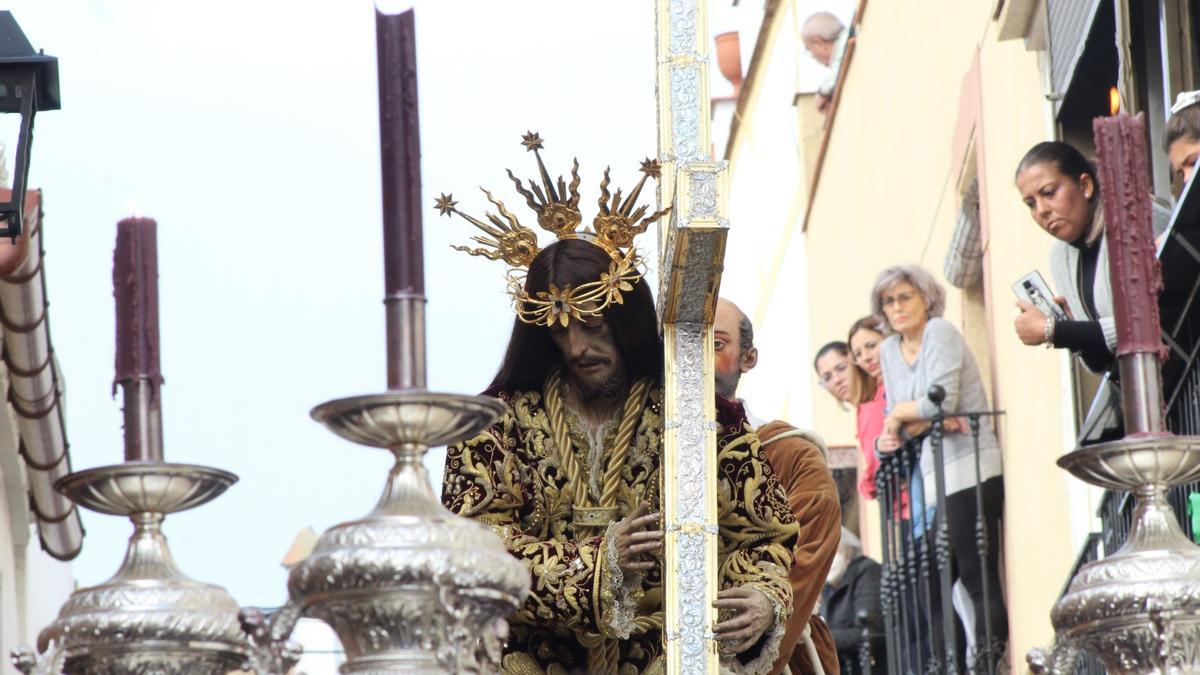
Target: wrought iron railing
[{"x": 923, "y": 634}]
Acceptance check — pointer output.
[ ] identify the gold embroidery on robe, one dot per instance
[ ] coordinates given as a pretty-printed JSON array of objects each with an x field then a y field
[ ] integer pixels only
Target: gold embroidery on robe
[{"x": 510, "y": 478}]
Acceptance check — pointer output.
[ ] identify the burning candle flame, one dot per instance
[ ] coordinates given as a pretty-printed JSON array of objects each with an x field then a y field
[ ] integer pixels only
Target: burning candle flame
[
  {"x": 1114, "y": 101},
  {"x": 134, "y": 209}
]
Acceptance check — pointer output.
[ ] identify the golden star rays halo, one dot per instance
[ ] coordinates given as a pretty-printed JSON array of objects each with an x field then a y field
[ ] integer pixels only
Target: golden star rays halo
[{"x": 556, "y": 204}]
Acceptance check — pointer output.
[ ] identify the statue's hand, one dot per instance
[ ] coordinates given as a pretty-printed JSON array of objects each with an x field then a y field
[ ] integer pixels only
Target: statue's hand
[
  {"x": 637, "y": 539},
  {"x": 753, "y": 616}
]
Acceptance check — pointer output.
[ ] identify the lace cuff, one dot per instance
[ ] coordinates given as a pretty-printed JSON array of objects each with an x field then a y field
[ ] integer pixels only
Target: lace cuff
[
  {"x": 619, "y": 593},
  {"x": 767, "y": 646}
]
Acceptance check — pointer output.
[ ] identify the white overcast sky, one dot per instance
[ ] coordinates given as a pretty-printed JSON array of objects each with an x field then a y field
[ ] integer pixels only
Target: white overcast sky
[{"x": 249, "y": 130}]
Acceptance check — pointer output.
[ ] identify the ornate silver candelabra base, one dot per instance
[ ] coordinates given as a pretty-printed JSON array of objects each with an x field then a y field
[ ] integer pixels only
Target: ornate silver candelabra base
[
  {"x": 411, "y": 587},
  {"x": 149, "y": 617},
  {"x": 1137, "y": 610}
]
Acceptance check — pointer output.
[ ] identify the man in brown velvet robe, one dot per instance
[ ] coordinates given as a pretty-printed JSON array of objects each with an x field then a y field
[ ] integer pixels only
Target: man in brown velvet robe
[{"x": 798, "y": 460}]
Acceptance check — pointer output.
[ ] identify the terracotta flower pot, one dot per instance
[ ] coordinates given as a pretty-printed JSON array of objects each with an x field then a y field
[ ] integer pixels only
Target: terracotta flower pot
[{"x": 729, "y": 58}]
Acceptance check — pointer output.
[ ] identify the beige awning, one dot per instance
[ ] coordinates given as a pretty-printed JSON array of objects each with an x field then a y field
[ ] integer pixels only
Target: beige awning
[{"x": 35, "y": 392}]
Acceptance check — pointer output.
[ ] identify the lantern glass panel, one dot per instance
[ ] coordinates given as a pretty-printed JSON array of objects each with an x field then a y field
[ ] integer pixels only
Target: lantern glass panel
[{"x": 10, "y": 132}]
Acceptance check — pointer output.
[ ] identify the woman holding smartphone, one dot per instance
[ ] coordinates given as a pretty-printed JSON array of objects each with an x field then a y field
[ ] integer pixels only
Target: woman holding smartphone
[{"x": 1060, "y": 187}]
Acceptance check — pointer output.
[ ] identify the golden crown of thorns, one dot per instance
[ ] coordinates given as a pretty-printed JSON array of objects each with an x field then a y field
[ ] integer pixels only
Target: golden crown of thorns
[{"x": 557, "y": 208}]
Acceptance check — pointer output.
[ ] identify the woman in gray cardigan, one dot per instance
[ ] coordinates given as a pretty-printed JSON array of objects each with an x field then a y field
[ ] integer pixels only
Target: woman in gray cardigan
[{"x": 923, "y": 350}]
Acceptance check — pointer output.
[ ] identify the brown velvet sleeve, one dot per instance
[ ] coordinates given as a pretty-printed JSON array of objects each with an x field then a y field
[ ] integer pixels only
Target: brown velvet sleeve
[{"x": 812, "y": 497}]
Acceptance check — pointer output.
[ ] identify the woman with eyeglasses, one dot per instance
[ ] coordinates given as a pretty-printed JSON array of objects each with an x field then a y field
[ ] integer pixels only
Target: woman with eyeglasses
[
  {"x": 864, "y": 339},
  {"x": 922, "y": 350}
]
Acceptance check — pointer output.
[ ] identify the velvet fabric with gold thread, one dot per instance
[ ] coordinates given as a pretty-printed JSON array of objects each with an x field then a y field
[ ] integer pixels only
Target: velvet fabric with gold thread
[{"x": 554, "y": 509}]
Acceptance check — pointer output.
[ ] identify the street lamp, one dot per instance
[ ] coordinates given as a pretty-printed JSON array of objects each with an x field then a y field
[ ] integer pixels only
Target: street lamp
[{"x": 28, "y": 83}]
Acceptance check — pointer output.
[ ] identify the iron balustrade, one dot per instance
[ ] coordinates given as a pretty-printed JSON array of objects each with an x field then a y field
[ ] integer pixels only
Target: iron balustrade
[{"x": 922, "y": 633}]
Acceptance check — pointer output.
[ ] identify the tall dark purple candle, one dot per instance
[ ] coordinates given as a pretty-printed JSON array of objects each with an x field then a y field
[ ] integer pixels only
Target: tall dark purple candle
[
  {"x": 135, "y": 287},
  {"x": 399, "y": 135},
  {"x": 1124, "y": 190}
]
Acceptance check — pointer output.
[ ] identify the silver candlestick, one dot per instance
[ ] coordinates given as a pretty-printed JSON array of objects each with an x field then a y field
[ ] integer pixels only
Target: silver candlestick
[
  {"x": 411, "y": 587},
  {"x": 1137, "y": 610},
  {"x": 149, "y": 617}
]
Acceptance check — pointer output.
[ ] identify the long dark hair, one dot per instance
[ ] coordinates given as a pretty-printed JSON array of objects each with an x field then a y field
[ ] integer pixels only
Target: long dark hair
[{"x": 531, "y": 354}]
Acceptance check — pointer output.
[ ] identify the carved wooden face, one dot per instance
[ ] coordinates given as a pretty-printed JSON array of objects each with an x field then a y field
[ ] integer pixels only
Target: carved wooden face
[
  {"x": 728, "y": 360},
  {"x": 589, "y": 352}
]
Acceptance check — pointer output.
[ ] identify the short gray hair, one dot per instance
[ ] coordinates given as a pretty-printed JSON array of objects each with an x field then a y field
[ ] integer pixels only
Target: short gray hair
[
  {"x": 931, "y": 291},
  {"x": 850, "y": 542},
  {"x": 822, "y": 26}
]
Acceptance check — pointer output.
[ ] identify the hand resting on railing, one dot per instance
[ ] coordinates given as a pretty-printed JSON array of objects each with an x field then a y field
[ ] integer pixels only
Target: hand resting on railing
[{"x": 895, "y": 432}]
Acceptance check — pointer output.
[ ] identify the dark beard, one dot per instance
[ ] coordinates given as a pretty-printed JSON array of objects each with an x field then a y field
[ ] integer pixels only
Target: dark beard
[
  {"x": 612, "y": 386},
  {"x": 727, "y": 384}
]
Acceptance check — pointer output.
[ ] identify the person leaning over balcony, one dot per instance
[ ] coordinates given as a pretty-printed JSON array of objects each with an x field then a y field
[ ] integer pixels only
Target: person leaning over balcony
[
  {"x": 798, "y": 459},
  {"x": 834, "y": 370},
  {"x": 866, "y": 392},
  {"x": 1181, "y": 138},
  {"x": 824, "y": 36},
  {"x": 924, "y": 350},
  {"x": 1060, "y": 187}
]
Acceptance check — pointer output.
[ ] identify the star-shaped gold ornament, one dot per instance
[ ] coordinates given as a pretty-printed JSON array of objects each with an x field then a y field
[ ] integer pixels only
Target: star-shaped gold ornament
[
  {"x": 532, "y": 141},
  {"x": 651, "y": 168},
  {"x": 445, "y": 204}
]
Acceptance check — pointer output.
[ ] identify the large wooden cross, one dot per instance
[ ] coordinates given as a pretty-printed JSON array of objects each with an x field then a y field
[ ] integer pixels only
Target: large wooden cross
[{"x": 693, "y": 247}]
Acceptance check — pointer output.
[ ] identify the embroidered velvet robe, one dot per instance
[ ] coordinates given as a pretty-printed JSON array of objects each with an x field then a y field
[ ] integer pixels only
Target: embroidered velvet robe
[{"x": 583, "y": 615}]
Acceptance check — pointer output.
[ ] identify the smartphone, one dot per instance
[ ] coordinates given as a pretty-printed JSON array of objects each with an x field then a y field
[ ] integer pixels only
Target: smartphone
[{"x": 1033, "y": 289}]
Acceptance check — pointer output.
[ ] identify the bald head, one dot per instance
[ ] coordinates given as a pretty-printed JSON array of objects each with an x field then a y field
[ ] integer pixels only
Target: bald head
[{"x": 733, "y": 343}]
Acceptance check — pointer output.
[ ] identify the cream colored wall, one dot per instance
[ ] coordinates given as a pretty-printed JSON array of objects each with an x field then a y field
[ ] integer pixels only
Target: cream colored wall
[
  {"x": 764, "y": 270},
  {"x": 1043, "y": 501},
  {"x": 888, "y": 195}
]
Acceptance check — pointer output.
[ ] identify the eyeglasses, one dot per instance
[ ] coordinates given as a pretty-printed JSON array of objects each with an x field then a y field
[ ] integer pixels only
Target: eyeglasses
[{"x": 897, "y": 299}]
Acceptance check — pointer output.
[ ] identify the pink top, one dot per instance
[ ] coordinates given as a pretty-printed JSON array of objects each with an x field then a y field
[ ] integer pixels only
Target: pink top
[{"x": 870, "y": 425}]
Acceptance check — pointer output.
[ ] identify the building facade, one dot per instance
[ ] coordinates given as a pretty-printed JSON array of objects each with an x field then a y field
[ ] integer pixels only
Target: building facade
[{"x": 936, "y": 104}]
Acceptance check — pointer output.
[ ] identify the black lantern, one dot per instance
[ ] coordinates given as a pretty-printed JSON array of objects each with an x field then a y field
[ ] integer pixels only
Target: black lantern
[{"x": 28, "y": 83}]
